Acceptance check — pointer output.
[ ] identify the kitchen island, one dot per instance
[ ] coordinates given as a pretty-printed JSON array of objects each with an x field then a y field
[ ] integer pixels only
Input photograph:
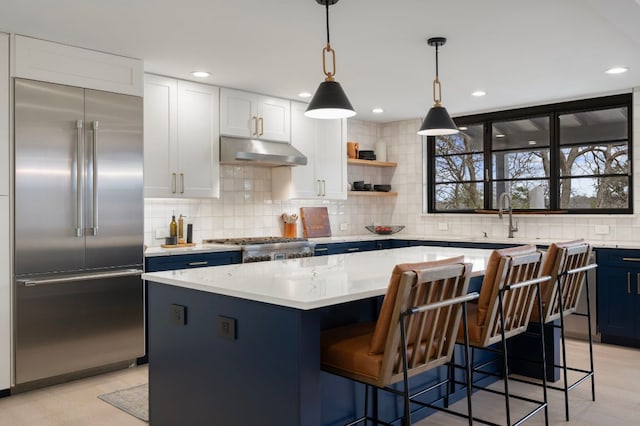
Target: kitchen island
[{"x": 240, "y": 344}]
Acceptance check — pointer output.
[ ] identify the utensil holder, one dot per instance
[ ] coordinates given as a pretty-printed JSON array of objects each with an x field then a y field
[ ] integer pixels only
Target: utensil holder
[{"x": 290, "y": 230}]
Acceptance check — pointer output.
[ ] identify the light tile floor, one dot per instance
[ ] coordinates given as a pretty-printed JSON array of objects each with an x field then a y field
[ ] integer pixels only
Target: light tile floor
[{"x": 617, "y": 393}]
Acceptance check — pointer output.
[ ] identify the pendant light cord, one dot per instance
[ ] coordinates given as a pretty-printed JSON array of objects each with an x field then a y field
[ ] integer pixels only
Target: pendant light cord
[
  {"x": 437, "y": 61},
  {"x": 327, "y": 8},
  {"x": 328, "y": 51},
  {"x": 437, "y": 87}
]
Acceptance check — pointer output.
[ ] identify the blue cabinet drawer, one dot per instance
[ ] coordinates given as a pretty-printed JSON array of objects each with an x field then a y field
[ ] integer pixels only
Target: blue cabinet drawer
[
  {"x": 186, "y": 261},
  {"x": 618, "y": 257}
]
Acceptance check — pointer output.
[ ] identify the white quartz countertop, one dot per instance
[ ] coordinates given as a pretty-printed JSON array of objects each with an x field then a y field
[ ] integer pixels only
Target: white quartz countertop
[
  {"x": 312, "y": 282},
  {"x": 210, "y": 248}
]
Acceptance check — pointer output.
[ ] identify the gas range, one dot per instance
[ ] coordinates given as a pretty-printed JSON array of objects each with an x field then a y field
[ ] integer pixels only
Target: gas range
[{"x": 260, "y": 249}]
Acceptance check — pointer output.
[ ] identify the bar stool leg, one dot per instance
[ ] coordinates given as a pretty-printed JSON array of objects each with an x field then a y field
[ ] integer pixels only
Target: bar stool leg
[
  {"x": 505, "y": 366},
  {"x": 544, "y": 358},
  {"x": 593, "y": 383},
  {"x": 564, "y": 351},
  {"x": 467, "y": 368}
]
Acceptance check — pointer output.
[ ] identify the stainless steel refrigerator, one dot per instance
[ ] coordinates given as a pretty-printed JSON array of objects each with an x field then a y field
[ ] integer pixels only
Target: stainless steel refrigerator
[{"x": 78, "y": 230}]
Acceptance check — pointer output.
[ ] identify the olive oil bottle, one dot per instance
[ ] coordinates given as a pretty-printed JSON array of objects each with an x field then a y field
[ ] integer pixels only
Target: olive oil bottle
[{"x": 173, "y": 227}]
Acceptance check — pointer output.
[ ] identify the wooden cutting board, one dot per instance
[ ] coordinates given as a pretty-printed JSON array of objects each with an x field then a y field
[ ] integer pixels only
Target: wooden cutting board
[{"x": 315, "y": 222}]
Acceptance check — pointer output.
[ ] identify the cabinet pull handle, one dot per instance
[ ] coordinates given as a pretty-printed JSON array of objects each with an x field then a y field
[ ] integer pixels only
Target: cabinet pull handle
[
  {"x": 354, "y": 249},
  {"x": 261, "y": 120},
  {"x": 318, "y": 187},
  {"x": 322, "y": 249},
  {"x": 628, "y": 282},
  {"x": 638, "y": 284},
  {"x": 324, "y": 188},
  {"x": 173, "y": 183},
  {"x": 631, "y": 259},
  {"x": 255, "y": 125},
  {"x": 182, "y": 183},
  {"x": 201, "y": 263}
]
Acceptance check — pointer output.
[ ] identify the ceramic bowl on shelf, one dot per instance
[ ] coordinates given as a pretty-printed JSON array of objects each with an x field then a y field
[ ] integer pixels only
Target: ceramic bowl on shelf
[
  {"x": 382, "y": 188},
  {"x": 384, "y": 229}
]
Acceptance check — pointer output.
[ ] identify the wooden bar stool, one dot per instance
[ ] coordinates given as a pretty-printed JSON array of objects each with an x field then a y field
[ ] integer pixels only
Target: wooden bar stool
[
  {"x": 567, "y": 264},
  {"x": 415, "y": 331},
  {"x": 507, "y": 297}
]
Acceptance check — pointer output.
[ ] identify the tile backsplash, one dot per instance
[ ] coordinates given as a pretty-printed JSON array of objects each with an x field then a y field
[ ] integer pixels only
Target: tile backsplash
[{"x": 245, "y": 207}]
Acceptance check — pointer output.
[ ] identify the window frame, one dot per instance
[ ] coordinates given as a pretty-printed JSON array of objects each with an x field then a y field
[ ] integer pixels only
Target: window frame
[{"x": 554, "y": 111}]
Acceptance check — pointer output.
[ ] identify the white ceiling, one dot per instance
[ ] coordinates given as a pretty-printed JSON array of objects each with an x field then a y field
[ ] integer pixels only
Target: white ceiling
[{"x": 520, "y": 52}]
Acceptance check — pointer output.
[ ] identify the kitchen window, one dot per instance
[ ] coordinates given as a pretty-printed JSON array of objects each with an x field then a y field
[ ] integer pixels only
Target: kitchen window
[{"x": 570, "y": 157}]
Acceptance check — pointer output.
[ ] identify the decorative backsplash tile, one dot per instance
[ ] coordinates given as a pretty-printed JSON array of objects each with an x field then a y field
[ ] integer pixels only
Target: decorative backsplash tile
[{"x": 245, "y": 207}]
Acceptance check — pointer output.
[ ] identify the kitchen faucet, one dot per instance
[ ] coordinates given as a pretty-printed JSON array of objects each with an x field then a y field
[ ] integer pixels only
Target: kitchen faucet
[{"x": 512, "y": 228}]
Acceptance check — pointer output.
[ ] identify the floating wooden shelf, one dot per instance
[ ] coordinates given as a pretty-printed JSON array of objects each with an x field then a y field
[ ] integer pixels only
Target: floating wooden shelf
[
  {"x": 357, "y": 162},
  {"x": 373, "y": 193}
]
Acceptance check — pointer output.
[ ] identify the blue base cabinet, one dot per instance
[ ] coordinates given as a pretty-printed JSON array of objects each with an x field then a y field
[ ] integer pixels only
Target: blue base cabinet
[
  {"x": 186, "y": 261},
  {"x": 619, "y": 296}
]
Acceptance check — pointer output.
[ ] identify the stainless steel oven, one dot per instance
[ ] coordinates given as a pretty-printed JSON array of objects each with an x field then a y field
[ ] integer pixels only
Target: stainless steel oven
[{"x": 261, "y": 249}]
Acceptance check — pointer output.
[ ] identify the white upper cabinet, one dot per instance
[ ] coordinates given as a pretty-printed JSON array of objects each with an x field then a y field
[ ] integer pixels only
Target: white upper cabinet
[
  {"x": 4, "y": 114},
  {"x": 247, "y": 115},
  {"x": 42, "y": 60},
  {"x": 181, "y": 133},
  {"x": 198, "y": 140},
  {"x": 324, "y": 144}
]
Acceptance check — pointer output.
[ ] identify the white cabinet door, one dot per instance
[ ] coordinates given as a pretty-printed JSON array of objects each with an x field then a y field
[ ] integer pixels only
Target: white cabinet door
[
  {"x": 198, "y": 136},
  {"x": 274, "y": 119},
  {"x": 324, "y": 144},
  {"x": 304, "y": 183},
  {"x": 5, "y": 299},
  {"x": 4, "y": 114},
  {"x": 238, "y": 113},
  {"x": 42, "y": 60},
  {"x": 160, "y": 136},
  {"x": 331, "y": 158},
  {"x": 247, "y": 115}
]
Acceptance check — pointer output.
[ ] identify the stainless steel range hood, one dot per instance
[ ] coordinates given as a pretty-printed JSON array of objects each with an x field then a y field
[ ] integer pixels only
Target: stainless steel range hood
[{"x": 256, "y": 152}]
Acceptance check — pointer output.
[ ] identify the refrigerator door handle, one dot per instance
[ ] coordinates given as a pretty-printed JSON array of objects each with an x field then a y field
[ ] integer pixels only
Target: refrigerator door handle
[
  {"x": 79, "y": 175},
  {"x": 81, "y": 277},
  {"x": 95, "y": 178}
]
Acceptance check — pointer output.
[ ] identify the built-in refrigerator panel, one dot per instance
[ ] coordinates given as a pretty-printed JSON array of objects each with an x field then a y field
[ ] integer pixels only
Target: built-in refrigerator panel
[
  {"x": 114, "y": 212},
  {"x": 49, "y": 142}
]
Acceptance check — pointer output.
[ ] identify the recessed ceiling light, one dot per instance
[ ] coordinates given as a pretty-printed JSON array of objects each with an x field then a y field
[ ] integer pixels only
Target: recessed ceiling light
[
  {"x": 377, "y": 110},
  {"x": 499, "y": 135},
  {"x": 304, "y": 94},
  {"x": 479, "y": 93},
  {"x": 617, "y": 70},
  {"x": 200, "y": 74},
  {"x": 462, "y": 128},
  {"x": 532, "y": 142}
]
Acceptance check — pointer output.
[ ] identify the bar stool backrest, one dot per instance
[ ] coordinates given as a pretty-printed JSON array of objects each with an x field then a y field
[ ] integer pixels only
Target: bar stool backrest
[
  {"x": 517, "y": 303},
  {"x": 563, "y": 257},
  {"x": 431, "y": 334}
]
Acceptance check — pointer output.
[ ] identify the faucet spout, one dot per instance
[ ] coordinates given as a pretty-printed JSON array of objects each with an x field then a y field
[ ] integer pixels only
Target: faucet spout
[{"x": 501, "y": 207}]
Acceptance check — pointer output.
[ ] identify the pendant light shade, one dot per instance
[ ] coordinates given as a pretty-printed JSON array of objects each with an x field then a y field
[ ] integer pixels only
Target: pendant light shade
[
  {"x": 438, "y": 121},
  {"x": 329, "y": 101}
]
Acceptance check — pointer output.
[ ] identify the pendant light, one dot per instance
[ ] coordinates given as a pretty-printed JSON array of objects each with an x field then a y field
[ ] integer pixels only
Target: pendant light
[
  {"x": 437, "y": 121},
  {"x": 329, "y": 101}
]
